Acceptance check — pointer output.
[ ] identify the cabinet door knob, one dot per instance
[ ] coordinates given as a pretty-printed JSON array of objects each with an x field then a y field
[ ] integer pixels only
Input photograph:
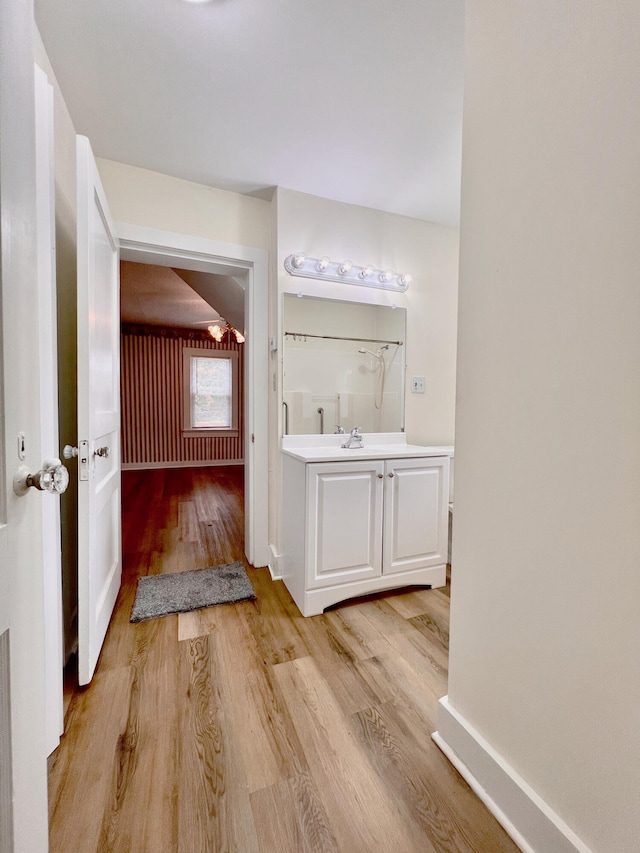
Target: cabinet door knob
[
  {"x": 380, "y": 476},
  {"x": 391, "y": 474}
]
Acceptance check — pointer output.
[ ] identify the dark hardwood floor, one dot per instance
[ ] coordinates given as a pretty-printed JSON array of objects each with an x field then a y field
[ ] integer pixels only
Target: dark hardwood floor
[{"x": 246, "y": 727}]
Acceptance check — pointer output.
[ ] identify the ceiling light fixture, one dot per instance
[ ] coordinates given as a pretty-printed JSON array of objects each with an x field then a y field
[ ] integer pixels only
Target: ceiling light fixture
[
  {"x": 345, "y": 271},
  {"x": 218, "y": 332}
]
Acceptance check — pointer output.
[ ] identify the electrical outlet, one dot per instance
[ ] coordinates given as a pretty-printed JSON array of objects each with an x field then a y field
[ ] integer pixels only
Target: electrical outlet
[{"x": 417, "y": 384}]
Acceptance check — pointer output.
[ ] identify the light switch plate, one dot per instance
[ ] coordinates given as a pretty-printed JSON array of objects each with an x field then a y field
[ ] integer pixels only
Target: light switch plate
[{"x": 417, "y": 384}]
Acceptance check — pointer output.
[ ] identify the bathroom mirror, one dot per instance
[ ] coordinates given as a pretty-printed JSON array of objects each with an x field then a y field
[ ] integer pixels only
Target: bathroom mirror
[{"x": 343, "y": 366}]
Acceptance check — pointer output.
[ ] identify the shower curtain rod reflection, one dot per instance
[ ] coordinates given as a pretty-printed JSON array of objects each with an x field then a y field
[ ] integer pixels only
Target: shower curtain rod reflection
[{"x": 340, "y": 338}]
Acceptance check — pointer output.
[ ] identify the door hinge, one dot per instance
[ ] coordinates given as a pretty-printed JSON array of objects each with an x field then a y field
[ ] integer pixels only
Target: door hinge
[{"x": 253, "y": 438}]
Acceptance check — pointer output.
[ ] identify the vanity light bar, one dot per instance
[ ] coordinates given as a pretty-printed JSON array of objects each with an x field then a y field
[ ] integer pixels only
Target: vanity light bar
[{"x": 345, "y": 271}]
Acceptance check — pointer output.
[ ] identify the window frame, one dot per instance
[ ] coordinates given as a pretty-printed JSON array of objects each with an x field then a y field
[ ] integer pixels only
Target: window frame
[{"x": 188, "y": 429}]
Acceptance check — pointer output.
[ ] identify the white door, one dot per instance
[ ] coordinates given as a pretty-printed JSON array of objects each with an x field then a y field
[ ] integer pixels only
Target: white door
[
  {"x": 415, "y": 514},
  {"x": 344, "y": 522},
  {"x": 23, "y": 776},
  {"x": 99, "y": 545}
]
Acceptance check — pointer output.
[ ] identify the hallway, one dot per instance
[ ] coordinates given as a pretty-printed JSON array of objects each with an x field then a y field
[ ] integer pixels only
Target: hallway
[{"x": 246, "y": 727}]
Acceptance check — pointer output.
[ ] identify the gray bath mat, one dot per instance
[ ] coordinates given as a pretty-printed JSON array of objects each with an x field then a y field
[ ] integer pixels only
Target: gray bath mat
[{"x": 159, "y": 595}]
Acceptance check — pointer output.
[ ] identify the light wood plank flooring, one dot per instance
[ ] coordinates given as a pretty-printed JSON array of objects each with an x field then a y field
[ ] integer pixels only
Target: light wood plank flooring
[{"x": 246, "y": 727}]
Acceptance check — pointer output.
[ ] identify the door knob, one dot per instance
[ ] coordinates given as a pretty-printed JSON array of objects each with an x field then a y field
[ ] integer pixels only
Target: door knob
[
  {"x": 69, "y": 452},
  {"x": 53, "y": 477},
  {"x": 102, "y": 451}
]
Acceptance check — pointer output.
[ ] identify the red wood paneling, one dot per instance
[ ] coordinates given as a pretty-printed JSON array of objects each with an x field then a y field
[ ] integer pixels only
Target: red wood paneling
[{"x": 152, "y": 395}]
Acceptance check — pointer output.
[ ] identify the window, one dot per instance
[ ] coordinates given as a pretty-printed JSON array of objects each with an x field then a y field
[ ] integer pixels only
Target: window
[{"x": 210, "y": 392}]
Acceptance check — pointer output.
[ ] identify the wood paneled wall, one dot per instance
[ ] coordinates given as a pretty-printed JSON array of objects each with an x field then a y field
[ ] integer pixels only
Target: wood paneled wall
[{"x": 152, "y": 394}]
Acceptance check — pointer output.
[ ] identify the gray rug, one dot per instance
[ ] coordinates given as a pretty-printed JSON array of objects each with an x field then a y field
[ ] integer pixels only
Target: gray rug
[{"x": 159, "y": 595}]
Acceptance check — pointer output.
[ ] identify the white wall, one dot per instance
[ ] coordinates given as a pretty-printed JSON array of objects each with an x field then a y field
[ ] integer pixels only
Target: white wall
[
  {"x": 545, "y": 629},
  {"x": 140, "y": 197}
]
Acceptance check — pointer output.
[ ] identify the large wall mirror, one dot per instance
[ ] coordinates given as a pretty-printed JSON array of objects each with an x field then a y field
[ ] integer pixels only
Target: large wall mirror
[{"x": 343, "y": 365}]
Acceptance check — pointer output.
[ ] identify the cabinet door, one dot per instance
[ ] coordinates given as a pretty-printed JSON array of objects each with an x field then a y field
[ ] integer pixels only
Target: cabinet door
[
  {"x": 415, "y": 513},
  {"x": 344, "y": 501}
]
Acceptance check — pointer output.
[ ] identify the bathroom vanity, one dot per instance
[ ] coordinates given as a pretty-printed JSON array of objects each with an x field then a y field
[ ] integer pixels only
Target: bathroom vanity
[{"x": 359, "y": 520}]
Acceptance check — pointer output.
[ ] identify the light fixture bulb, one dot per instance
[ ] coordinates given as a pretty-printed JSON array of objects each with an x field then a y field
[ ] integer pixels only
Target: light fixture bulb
[
  {"x": 404, "y": 280},
  {"x": 298, "y": 260},
  {"x": 386, "y": 277},
  {"x": 239, "y": 336},
  {"x": 323, "y": 263},
  {"x": 365, "y": 272},
  {"x": 216, "y": 332},
  {"x": 344, "y": 267}
]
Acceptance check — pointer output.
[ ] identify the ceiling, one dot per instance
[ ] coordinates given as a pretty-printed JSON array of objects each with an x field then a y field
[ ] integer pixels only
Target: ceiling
[
  {"x": 162, "y": 296},
  {"x": 158, "y": 296},
  {"x": 354, "y": 100}
]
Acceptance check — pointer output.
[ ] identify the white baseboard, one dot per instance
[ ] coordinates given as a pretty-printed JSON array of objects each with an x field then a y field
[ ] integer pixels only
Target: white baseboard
[
  {"x": 148, "y": 466},
  {"x": 525, "y": 816},
  {"x": 275, "y": 564}
]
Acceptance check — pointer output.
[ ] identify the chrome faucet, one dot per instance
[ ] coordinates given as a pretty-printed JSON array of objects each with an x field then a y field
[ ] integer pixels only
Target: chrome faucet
[
  {"x": 339, "y": 429},
  {"x": 355, "y": 439}
]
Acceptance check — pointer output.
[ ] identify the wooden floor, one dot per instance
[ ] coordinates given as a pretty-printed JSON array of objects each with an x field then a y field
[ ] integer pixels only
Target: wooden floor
[{"x": 249, "y": 728}]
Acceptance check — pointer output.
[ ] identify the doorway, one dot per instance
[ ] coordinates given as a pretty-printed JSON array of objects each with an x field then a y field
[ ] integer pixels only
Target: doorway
[
  {"x": 181, "y": 385},
  {"x": 166, "y": 249}
]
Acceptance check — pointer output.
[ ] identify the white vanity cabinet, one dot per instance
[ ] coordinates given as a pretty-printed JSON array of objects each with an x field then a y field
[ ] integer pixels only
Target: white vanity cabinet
[{"x": 353, "y": 525}]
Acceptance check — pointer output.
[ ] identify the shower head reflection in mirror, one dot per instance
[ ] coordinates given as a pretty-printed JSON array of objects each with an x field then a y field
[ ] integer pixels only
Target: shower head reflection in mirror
[
  {"x": 381, "y": 367},
  {"x": 375, "y": 354}
]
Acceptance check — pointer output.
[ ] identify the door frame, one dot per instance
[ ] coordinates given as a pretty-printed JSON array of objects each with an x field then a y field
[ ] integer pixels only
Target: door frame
[
  {"x": 49, "y": 435},
  {"x": 164, "y": 248}
]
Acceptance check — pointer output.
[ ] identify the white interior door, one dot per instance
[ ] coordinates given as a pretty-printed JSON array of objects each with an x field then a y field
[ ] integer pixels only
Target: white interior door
[
  {"x": 99, "y": 540},
  {"x": 23, "y": 779}
]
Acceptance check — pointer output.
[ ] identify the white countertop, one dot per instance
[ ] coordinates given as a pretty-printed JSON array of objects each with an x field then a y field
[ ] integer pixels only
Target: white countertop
[{"x": 327, "y": 448}]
